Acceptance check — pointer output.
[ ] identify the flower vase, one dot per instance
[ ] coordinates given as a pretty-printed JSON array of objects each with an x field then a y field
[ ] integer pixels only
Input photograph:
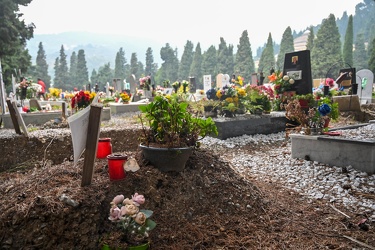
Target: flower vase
[
  {"x": 228, "y": 113},
  {"x": 175, "y": 88},
  {"x": 210, "y": 111},
  {"x": 326, "y": 122}
]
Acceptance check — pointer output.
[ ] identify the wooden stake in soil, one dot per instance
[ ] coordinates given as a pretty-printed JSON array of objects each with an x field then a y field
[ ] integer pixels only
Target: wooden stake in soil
[{"x": 91, "y": 143}]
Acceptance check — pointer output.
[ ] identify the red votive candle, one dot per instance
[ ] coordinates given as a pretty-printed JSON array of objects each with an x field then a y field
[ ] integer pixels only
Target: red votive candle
[
  {"x": 104, "y": 148},
  {"x": 116, "y": 166}
]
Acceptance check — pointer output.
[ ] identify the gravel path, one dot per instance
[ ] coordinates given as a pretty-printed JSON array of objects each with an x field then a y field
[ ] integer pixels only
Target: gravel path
[{"x": 337, "y": 185}]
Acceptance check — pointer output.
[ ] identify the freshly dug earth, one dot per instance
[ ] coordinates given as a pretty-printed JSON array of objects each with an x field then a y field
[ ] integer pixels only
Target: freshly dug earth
[{"x": 207, "y": 206}]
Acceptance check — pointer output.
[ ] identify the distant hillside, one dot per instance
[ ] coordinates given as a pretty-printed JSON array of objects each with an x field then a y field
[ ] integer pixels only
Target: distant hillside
[{"x": 99, "y": 49}]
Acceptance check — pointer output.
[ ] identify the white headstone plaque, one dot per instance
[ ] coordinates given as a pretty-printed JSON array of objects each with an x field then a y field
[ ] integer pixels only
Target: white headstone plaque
[{"x": 206, "y": 83}]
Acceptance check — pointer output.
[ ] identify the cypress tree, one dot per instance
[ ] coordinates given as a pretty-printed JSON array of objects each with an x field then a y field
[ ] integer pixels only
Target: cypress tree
[
  {"x": 326, "y": 57},
  {"x": 61, "y": 75},
  {"x": 347, "y": 51},
  {"x": 196, "y": 67},
  {"x": 151, "y": 67},
  {"x": 73, "y": 69},
  {"x": 286, "y": 46},
  {"x": 310, "y": 39},
  {"x": 41, "y": 68},
  {"x": 244, "y": 64},
  {"x": 56, "y": 67},
  {"x": 134, "y": 66},
  {"x": 371, "y": 62},
  {"x": 82, "y": 71},
  {"x": 360, "y": 55},
  {"x": 169, "y": 68},
  {"x": 209, "y": 62},
  {"x": 267, "y": 58},
  {"x": 230, "y": 59},
  {"x": 222, "y": 54},
  {"x": 105, "y": 74},
  {"x": 186, "y": 61},
  {"x": 120, "y": 63}
]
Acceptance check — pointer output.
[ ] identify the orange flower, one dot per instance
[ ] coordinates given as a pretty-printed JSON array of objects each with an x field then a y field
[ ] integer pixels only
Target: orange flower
[{"x": 272, "y": 77}]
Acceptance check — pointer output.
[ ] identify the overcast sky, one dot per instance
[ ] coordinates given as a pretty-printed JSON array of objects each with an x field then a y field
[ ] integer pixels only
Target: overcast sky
[{"x": 175, "y": 22}]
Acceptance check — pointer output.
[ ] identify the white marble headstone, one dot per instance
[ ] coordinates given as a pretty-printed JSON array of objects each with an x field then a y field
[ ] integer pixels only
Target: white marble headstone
[
  {"x": 206, "y": 83},
  {"x": 365, "y": 80},
  {"x": 226, "y": 80},
  {"x": 219, "y": 81},
  {"x": 133, "y": 84}
]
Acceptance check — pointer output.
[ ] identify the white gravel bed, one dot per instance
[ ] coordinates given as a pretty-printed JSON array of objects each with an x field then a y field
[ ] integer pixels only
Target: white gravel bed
[{"x": 337, "y": 185}]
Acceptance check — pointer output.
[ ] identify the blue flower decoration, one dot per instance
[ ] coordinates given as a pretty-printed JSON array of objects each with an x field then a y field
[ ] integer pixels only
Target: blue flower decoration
[
  {"x": 324, "y": 109},
  {"x": 211, "y": 94}
]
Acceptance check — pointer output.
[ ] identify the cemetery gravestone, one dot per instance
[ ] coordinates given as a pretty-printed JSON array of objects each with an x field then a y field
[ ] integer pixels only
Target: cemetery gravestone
[
  {"x": 206, "y": 83},
  {"x": 219, "y": 81},
  {"x": 132, "y": 84},
  {"x": 365, "y": 79},
  {"x": 226, "y": 80},
  {"x": 107, "y": 89},
  {"x": 35, "y": 104},
  {"x": 192, "y": 84},
  {"x": 118, "y": 85}
]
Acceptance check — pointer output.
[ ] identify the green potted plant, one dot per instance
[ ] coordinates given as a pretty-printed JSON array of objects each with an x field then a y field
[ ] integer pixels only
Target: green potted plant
[
  {"x": 170, "y": 128},
  {"x": 306, "y": 100}
]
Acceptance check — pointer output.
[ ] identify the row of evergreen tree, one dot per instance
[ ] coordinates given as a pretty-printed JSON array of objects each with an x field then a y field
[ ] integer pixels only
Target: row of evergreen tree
[{"x": 326, "y": 50}]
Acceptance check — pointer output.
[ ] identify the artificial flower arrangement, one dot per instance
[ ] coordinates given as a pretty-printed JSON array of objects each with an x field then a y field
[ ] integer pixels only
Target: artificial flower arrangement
[
  {"x": 125, "y": 97},
  {"x": 111, "y": 89},
  {"x": 185, "y": 85},
  {"x": 166, "y": 84},
  {"x": 145, "y": 82},
  {"x": 29, "y": 86},
  {"x": 82, "y": 99},
  {"x": 314, "y": 118},
  {"x": 134, "y": 222},
  {"x": 176, "y": 85},
  {"x": 281, "y": 83},
  {"x": 237, "y": 80},
  {"x": 55, "y": 92}
]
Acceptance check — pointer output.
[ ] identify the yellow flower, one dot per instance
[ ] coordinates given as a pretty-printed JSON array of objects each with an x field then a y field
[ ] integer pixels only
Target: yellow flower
[
  {"x": 229, "y": 99},
  {"x": 241, "y": 92},
  {"x": 219, "y": 94}
]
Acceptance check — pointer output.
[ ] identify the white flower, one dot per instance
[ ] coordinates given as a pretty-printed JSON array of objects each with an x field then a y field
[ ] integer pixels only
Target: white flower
[{"x": 291, "y": 81}]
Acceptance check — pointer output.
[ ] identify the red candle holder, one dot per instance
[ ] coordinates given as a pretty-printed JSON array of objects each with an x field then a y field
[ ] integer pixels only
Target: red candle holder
[
  {"x": 116, "y": 166},
  {"x": 104, "y": 148}
]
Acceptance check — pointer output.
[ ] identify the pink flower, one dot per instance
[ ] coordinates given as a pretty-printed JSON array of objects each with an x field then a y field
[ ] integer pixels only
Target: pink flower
[
  {"x": 114, "y": 213},
  {"x": 118, "y": 199},
  {"x": 138, "y": 199}
]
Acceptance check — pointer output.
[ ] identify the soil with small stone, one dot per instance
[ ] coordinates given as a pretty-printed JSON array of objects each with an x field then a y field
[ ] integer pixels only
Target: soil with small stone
[{"x": 207, "y": 206}]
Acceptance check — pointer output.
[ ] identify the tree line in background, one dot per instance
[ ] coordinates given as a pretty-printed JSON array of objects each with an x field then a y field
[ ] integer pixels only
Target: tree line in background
[{"x": 328, "y": 47}]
